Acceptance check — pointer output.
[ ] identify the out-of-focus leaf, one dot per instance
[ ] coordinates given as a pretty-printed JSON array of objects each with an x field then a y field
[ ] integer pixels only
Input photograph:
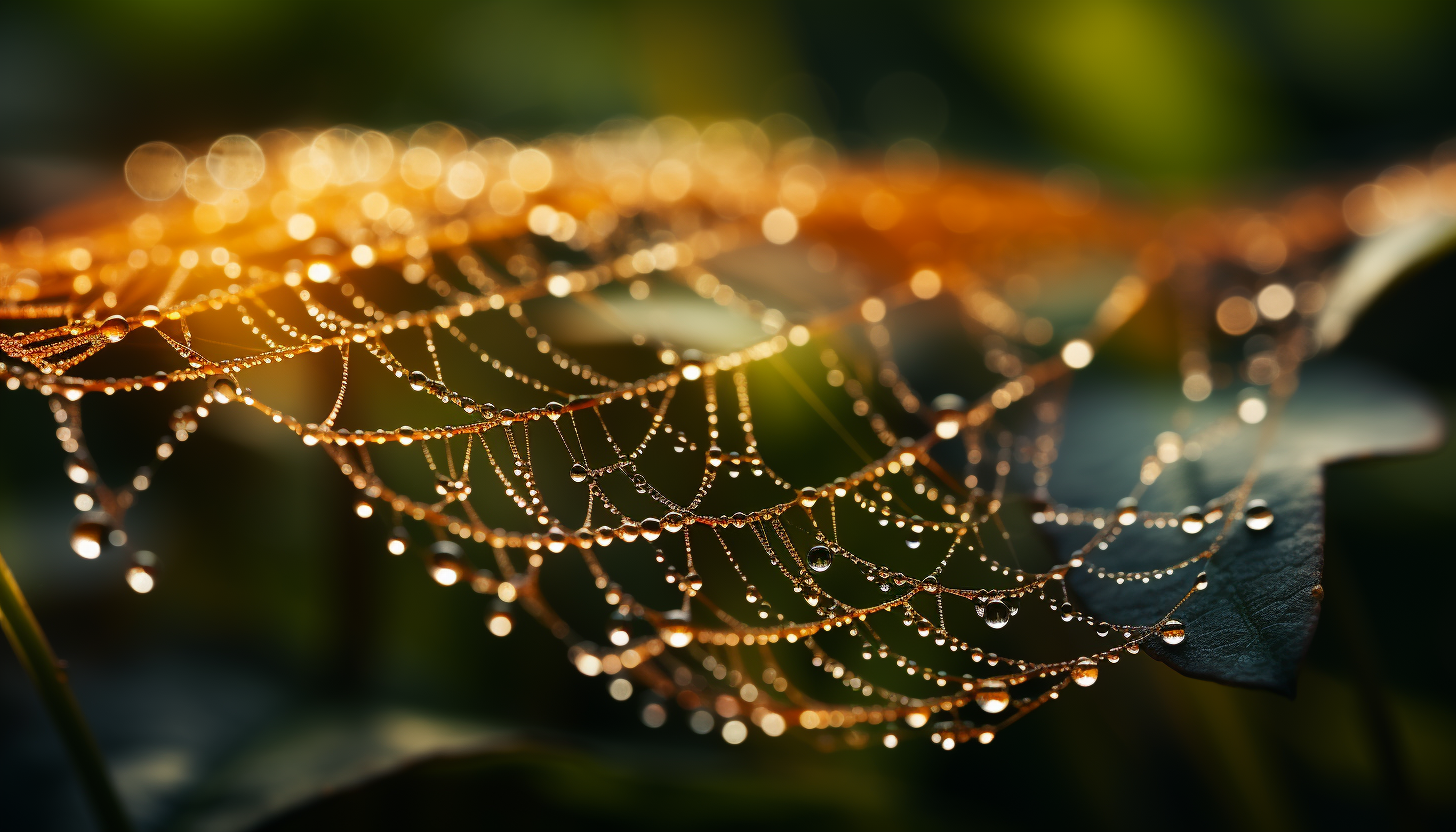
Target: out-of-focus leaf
[
  {"x": 315, "y": 754},
  {"x": 1253, "y": 624},
  {"x": 1374, "y": 264}
]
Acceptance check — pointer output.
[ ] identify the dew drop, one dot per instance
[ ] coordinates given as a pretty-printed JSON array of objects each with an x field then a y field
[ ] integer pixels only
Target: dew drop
[
  {"x": 1190, "y": 520},
  {"x": 1172, "y": 631},
  {"x": 1084, "y": 672},
  {"x": 820, "y": 558},
  {"x": 1127, "y": 511},
  {"x": 998, "y": 614},
  {"x": 1258, "y": 516},
  {"x": 113, "y": 329},
  {"x": 992, "y": 696},
  {"x": 89, "y": 535},
  {"x": 651, "y": 528}
]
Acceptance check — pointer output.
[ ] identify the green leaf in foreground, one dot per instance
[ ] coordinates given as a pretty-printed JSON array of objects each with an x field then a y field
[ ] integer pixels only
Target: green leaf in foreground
[{"x": 1253, "y": 623}]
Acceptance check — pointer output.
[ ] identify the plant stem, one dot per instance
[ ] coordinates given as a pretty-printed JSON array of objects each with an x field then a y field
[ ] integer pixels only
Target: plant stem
[{"x": 49, "y": 677}]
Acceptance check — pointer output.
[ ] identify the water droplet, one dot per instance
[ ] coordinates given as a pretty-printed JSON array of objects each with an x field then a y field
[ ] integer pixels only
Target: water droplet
[
  {"x": 820, "y": 558},
  {"x": 1084, "y": 672},
  {"x": 1173, "y": 631},
  {"x": 578, "y": 473},
  {"x": 1201, "y": 582},
  {"x": 998, "y": 614},
  {"x": 1127, "y": 511},
  {"x": 693, "y": 581},
  {"x": 1066, "y": 612},
  {"x": 808, "y": 496},
  {"x": 673, "y": 521},
  {"x": 398, "y": 541},
  {"x": 992, "y": 696},
  {"x": 447, "y": 562},
  {"x": 1102, "y": 629},
  {"x": 89, "y": 535},
  {"x": 113, "y": 329},
  {"x": 628, "y": 531},
  {"x": 141, "y": 579},
  {"x": 224, "y": 389},
  {"x": 1190, "y": 520},
  {"x": 150, "y": 316},
  {"x": 554, "y": 410},
  {"x": 651, "y": 528},
  {"x": 418, "y": 380},
  {"x": 1258, "y": 516},
  {"x": 619, "y": 628},
  {"x": 499, "y": 621},
  {"x": 752, "y": 594}
]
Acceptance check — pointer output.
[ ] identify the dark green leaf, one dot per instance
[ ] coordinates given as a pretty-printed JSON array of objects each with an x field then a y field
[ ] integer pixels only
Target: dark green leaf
[{"x": 1252, "y": 625}]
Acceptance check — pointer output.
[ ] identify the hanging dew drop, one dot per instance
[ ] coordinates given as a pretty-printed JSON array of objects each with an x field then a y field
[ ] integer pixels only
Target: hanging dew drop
[
  {"x": 1127, "y": 511},
  {"x": 1084, "y": 672},
  {"x": 89, "y": 535},
  {"x": 1190, "y": 520},
  {"x": 820, "y": 558},
  {"x": 998, "y": 614},
  {"x": 992, "y": 696}
]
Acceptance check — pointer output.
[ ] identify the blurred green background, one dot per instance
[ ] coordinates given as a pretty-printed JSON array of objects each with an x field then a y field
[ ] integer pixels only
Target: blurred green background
[{"x": 282, "y": 646}]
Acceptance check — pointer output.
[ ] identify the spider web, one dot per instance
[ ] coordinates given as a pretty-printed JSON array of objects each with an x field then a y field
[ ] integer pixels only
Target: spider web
[{"x": 918, "y": 330}]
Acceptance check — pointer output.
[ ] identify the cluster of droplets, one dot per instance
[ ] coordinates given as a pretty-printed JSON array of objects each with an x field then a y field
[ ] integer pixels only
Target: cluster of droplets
[{"x": 644, "y": 206}]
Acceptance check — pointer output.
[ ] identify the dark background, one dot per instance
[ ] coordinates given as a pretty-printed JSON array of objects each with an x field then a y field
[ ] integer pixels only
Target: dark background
[{"x": 278, "y": 631}]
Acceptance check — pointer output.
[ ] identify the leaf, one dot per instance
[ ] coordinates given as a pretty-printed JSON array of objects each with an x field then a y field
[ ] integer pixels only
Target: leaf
[
  {"x": 1252, "y": 625},
  {"x": 1374, "y": 264},
  {"x": 321, "y": 753}
]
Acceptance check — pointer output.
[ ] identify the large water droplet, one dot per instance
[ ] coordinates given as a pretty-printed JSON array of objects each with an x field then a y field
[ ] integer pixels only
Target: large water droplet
[
  {"x": 1173, "y": 631},
  {"x": 992, "y": 696},
  {"x": 619, "y": 628},
  {"x": 820, "y": 558},
  {"x": 1127, "y": 511},
  {"x": 88, "y": 536},
  {"x": 998, "y": 614},
  {"x": 1258, "y": 516},
  {"x": 1190, "y": 520},
  {"x": 1084, "y": 672}
]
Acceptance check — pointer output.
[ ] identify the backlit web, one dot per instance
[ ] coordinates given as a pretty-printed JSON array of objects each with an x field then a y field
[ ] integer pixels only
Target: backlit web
[{"x": 554, "y": 364}]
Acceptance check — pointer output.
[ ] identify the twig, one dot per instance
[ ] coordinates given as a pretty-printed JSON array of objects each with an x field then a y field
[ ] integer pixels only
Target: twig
[{"x": 49, "y": 677}]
